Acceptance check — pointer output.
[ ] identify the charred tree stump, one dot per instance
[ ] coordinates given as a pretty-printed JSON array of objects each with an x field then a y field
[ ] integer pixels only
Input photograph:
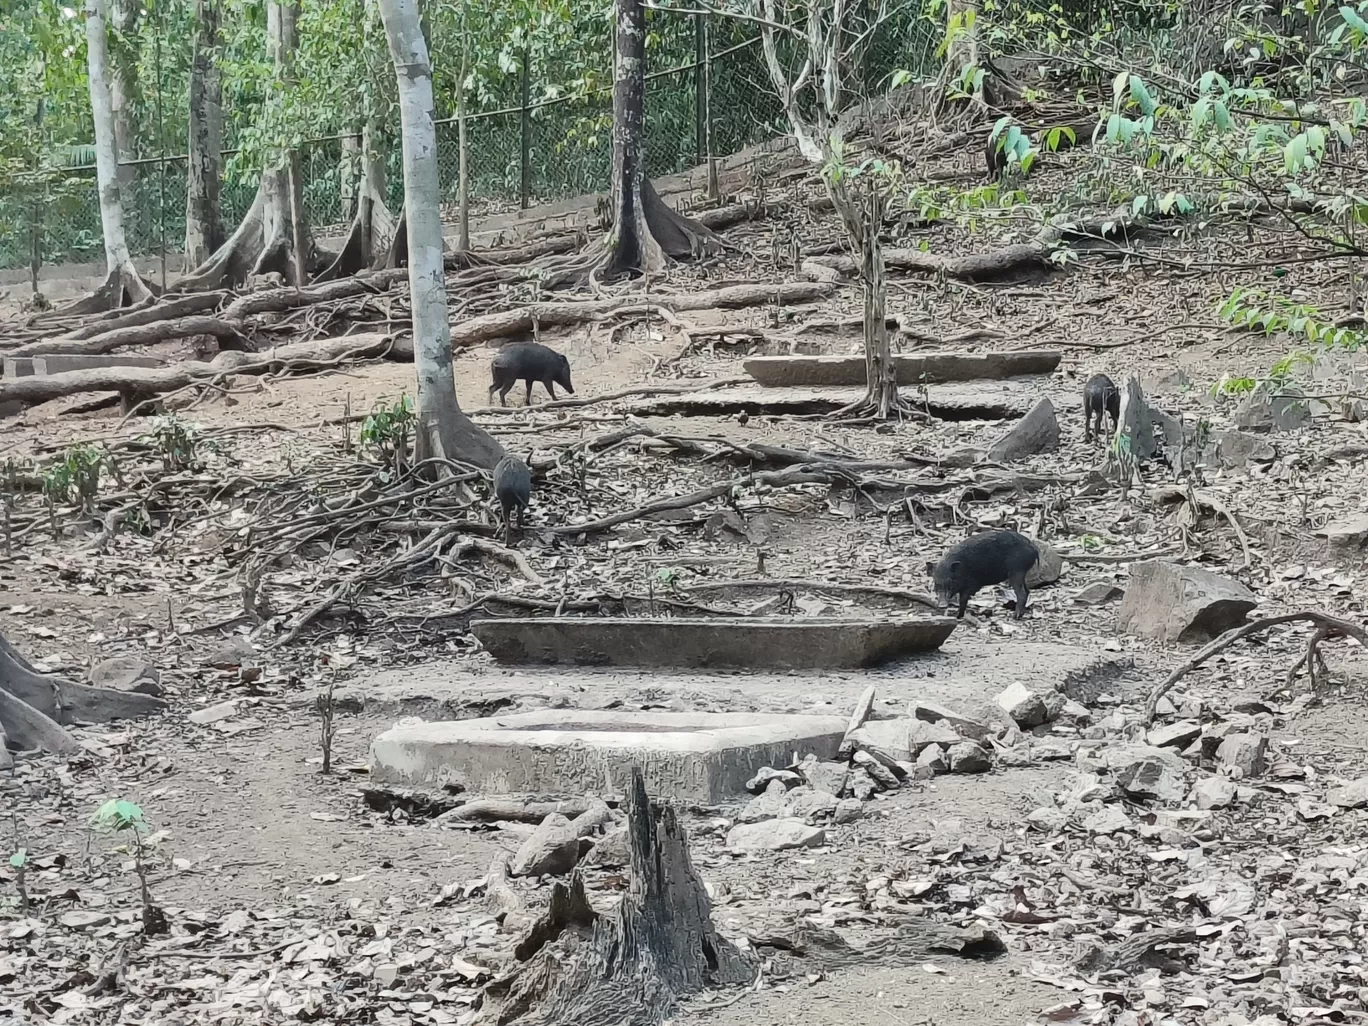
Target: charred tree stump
[
  {"x": 36, "y": 708},
  {"x": 631, "y": 967}
]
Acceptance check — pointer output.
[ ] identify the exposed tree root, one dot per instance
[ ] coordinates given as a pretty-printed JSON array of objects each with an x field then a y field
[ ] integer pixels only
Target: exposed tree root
[
  {"x": 1326, "y": 627},
  {"x": 372, "y": 231},
  {"x": 36, "y": 707},
  {"x": 123, "y": 287},
  {"x": 145, "y": 334}
]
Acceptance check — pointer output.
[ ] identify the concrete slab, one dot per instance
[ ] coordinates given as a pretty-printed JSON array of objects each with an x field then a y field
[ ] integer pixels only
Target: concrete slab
[
  {"x": 987, "y": 400},
  {"x": 912, "y": 368},
  {"x": 697, "y": 643},
  {"x": 691, "y": 757},
  {"x": 60, "y": 363},
  {"x": 17, "y": 366}
]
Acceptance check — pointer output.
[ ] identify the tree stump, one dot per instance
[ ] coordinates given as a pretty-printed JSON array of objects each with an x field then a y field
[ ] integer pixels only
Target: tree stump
[
  {"x": 633, "y": 966},
  {"x": 36, "y": 708}
]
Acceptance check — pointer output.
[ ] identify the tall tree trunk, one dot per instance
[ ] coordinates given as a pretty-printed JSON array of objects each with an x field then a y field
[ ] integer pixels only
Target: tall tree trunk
[
  {"x": 962, "y": 40},
  {"x": 273, "y": 235},
  {"x": 443, "y": 430},
  {"x": 349, "y": 170},
  {"x": 634, "y": 250},
  {"x": 203, "y": 216},
  {"x": 880, "y": 374},
  {"x": 463, "y": 151},
  {"x": 123, "y": 17},
  {"x": 123, "y": 283}
]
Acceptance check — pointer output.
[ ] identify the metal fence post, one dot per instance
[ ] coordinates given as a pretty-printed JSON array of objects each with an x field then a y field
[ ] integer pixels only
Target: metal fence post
[{"x": 525, "y": 193}]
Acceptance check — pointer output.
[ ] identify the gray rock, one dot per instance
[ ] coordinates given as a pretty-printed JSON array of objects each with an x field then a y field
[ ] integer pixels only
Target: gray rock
[
  {"x": 775, "y": 835},
  {"x": 887, "y": 741},
  {"x": 1272, "y": 409},
  {"x": 1171, "y": 603},
  {"x": 968, "y": 757},
  {"x": 1036, "y": 432},
  {"x": 878, "y": 772},
  {"x": 1048, "y": 569},
  {"x": 127, "y": 673},
  {"x": 214, "y": 713},
  {"x": 824, "y": 776},
  {"x": 770, "y": 805},
  {"x": 1213, "y": 793},
  {"x": 1027, "y": 708},
  {"x": 1238, "y": 449},
  {"x": 1167, "y": 381},
  {"x": 1353, "y": 795},
  {"x": 932, "y": 758},
  {"x": 1349, "y": 533},
  {"x": 965, "y": 726},
  {"x": 552, "y": 849},
  {"x": 611, "y": 851},
  {"x": 1157, "y": 773},
  {"x": 759, "y": 783},
  {"x": 863, "y": 708},
  {"x": 1098, "y": 593},
  {"x": 1110, "y": 819},
  {"x": 236, "y": 651},
  {"x": 1175, "y": 735},
  {"x": 1047, "y": 821},
  {"x": 1245, "y": 753},
  {"x": 848, "y": 810},
  {"x": 861, "y": 785},
  {"x": 1075, "y": 712},
  {"x": 805, "y": 803}
]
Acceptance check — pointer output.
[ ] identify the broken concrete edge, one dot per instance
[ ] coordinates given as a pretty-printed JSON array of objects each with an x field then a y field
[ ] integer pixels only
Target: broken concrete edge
[
  {"x": 910, "y": 368},
  {"x": 698, "y": 757},
  {"x": 761, "y": 644}
]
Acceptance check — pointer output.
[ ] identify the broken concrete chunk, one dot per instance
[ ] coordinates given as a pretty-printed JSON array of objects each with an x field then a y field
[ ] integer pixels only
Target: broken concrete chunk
[
  {"x": 966, "y": 726},
  {"x": 214, "y": 713},
  {"x": 881, "y": 774},
  {"x": 863, "y": 708},
  {"x": 1353, "y": 795},
  {"x": 1110, "y": 819},
  {"x": 806, "y": 803},
  {"x": 1034, "y": 433},
  {"x": 888, "y": 741},
  {"x": 1213, "y": 793},
  {"x": 932, "y": 758},
  {"x": 770, "y": 805},
  {"x": 1237, "y": 449},
  {"x": 1143, "y": 771},
  {"x": 1049, "y": 567},
  {"x": 1172, "y": 603},
  {"x": 1246, "y": 754},
  {"x": 824, "y": 776},
  {"x": 611, "y": 851},
  {"x": 552, "y": 849},
  {"x": 848, "y": 810},
  {"x": 969, "y": 757},
  {"x": 860, "y": 785},
  {"x": 1047, "y": 820},
  {"x": 127, "y": 673},
  {"x": 1264, "y": 410},
  {"x": 1347, "y": 533},
  {"x": 1098, "y": 593},
  {"x": 1027, "y": 708},
  {"x": 1175, "y": 735},
  {"x": 775, "y": 835},
  {"x": 762, "y": 779}
]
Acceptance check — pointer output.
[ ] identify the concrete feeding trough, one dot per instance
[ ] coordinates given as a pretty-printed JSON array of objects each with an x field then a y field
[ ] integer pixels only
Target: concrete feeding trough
[
  {"x": 816, "y": 644},
  {"x": 695, "y": 757}
]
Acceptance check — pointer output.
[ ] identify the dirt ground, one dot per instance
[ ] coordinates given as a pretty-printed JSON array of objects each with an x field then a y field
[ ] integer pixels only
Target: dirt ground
[{"x": 291, "y": 897}]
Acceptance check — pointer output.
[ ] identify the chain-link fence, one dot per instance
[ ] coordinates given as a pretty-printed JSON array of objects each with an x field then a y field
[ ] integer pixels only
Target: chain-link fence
[{"x": 526, "y": 153}]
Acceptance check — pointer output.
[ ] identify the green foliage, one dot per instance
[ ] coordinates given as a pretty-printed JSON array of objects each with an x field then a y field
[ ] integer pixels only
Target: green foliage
[
  {"x": 75, "y": 477},
  {"x": 387, "y": 430},
  {"x": 1257, "y": 310},
  {"x": 178, "y": 443},
  {"x": 118, "y": 816},
  {"x": 19, "y": 859}
]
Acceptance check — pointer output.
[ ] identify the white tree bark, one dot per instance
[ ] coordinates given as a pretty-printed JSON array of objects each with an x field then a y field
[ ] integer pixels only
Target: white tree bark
[
  {"x": 443, "y": 430},
  {"x": 123, "y": 282},
  {"x": 122, "y": 75}
]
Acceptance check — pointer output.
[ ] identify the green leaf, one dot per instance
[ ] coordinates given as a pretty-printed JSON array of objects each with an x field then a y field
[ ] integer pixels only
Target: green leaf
[
  {"x": 18, "y": 859},
  {"x": 900, "y": 78},
  {"x": 1119, "y": 84},
  {"x": 1141, "y": 96}
]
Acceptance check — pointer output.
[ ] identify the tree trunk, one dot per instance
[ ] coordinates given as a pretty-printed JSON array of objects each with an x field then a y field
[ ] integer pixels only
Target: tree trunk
[
  {"x": 443, "y": 430},
  {"x": 463, "y": 151},
  {"x": 35, "y": 707},
  {"x": 273, "y": 236},
  {"x": 203, "y": 216},
  {"x": 348, "y": 173},
  {"x": 880, "y": 374},
  {"x": 645, "y": 230},
  {"x": 123, "y": 17},
  {"x": 371, "y": 240},
  {"x": 962, "y": 40},
  {"x": 123, "y": 285}
]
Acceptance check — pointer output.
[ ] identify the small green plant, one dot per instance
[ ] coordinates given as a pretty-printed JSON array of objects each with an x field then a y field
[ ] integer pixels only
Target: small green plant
[
  {"x": 178, "y": 443},
  {"x": 1014, "y": 144},
  {"x": 75, "y": 477},
  {"x": 387, "y": 430},
  {"x": 19, "y": 863},
  {"x": 118, "y": 816}
]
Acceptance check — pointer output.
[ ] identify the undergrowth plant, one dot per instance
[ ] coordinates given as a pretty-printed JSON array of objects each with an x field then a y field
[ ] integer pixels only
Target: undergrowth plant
[
  {"x": 387, "y": 431},
  {"x": 118, "y": 817}
]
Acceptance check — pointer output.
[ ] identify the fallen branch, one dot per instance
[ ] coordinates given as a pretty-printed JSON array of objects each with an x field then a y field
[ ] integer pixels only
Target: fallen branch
[{"x": 1327, "y": 626}]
